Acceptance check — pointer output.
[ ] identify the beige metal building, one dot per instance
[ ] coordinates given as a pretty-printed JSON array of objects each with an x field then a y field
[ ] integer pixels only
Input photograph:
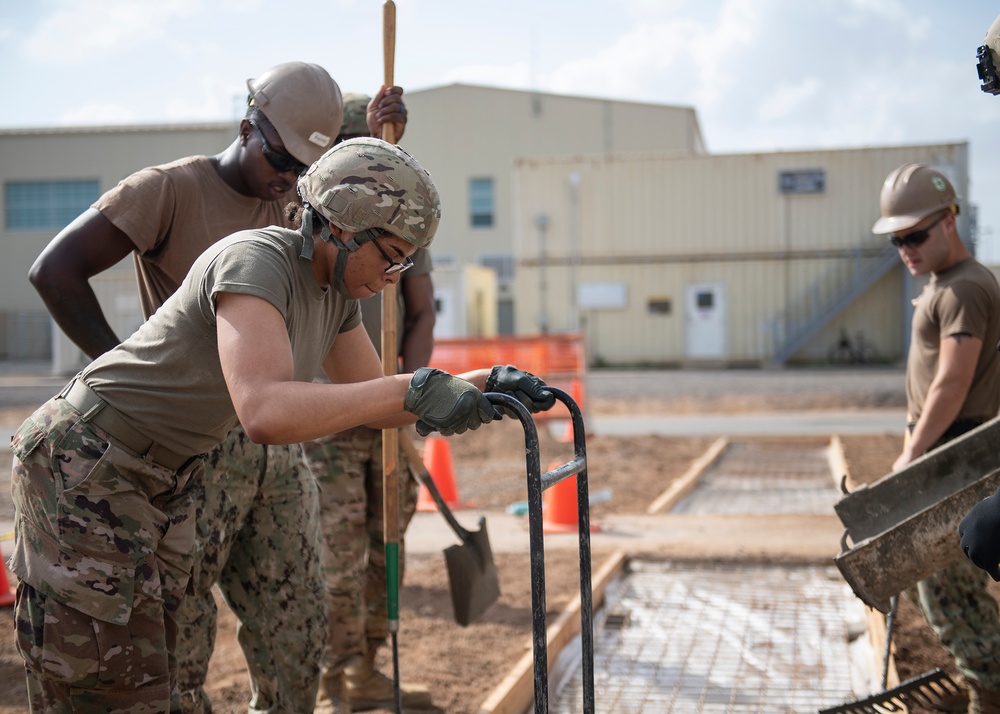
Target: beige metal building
[
  {"x": 663, "y": 253},
  {"x": 49, "y": 177},
  {"x": 729, "y": 259},
  {"x": 466, "y": 136}
]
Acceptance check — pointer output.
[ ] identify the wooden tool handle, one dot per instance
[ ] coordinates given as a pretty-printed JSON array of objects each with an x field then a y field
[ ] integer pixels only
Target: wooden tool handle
[
  {"x": 389, "y": 58},
  {"x": 390, "y": 350}
]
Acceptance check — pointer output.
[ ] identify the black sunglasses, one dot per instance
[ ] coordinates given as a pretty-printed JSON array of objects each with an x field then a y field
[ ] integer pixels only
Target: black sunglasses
[
  {"x": 915, "y": 239},
  {"x": 372, "y": 234},
  {"x": 280, "y": 162}
]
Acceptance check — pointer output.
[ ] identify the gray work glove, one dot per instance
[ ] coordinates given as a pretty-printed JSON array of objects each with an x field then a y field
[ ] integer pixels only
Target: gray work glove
[
  {"x": 446, "y": 404},
  {"x": 979, "y": 534},
  {"x": 523, "y": 386}
]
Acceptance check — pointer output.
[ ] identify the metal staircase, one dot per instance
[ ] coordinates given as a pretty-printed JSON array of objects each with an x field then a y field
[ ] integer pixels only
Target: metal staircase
[{"x": 864, "y": 272}]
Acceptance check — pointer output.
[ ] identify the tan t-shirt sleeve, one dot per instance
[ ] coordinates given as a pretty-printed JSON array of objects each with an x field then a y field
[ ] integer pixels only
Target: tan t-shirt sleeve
[
  {"x": 963, "y": 308},
  {"x": 141, "y": 206}
]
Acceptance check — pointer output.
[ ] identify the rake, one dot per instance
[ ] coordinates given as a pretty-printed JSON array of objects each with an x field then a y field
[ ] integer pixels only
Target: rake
[{"x": 927, "y": 690}]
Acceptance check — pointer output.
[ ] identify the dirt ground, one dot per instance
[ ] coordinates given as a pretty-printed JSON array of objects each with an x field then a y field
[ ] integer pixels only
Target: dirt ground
[{"x": 463, "y": 665}]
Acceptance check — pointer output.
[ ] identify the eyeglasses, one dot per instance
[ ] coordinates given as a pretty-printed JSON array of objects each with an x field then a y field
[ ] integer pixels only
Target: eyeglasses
[
  {"x": 394, "y": 267},
  {"x": 279, "y": 161},
  {"x": 915, "y": 239}
]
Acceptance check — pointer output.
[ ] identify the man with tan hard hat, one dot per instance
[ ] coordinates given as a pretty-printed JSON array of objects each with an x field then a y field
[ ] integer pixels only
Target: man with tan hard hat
[
  {"x": 259, "y": 512},
  {"x": 952, "y": 386}
]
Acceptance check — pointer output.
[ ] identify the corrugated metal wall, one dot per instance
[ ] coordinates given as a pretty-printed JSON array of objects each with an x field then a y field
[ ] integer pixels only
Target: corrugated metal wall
[{"x": 657, "y": 224}]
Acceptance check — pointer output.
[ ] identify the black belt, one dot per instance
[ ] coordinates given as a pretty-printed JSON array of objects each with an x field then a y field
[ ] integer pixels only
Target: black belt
[
  {"x": 954, "y": 430},
  {"x": 96, "y": 411}
]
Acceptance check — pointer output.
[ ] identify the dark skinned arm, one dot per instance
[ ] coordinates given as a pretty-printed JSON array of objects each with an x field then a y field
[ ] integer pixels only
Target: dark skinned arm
[
  {"x": 61, "y": 274},
  {"x": 418, "y": 328}
]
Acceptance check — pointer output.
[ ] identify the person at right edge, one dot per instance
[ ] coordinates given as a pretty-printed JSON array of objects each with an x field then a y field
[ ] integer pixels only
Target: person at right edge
[
  {"x": 979, "y": 530},
  {"x": 348, "y": 468},
  {"x": 952, "y": 386}
]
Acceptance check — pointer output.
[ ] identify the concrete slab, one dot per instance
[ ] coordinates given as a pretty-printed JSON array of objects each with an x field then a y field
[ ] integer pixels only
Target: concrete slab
[{"x": 700, "y": 638}]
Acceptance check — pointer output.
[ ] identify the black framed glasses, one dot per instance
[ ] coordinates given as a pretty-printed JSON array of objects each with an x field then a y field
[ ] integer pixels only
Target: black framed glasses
[
  {"x": 279, "y": 161},
  {"x": 372, "y": 234},
  {"x": 915, "y": 239}
]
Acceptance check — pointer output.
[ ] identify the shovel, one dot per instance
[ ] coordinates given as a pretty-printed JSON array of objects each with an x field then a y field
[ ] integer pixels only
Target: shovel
[{"x": 472, "y": 575}]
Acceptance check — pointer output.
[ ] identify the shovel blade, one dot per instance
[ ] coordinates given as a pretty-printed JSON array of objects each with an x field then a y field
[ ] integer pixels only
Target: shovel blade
[{"x": 472, "y": 576}]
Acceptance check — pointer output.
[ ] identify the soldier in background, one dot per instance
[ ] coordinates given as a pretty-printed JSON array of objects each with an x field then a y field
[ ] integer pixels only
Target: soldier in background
[{"x": 348, "y": 467}]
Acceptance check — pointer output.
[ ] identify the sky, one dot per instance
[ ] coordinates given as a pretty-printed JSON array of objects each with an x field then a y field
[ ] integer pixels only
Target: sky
[{"x": 763, "y": 75}]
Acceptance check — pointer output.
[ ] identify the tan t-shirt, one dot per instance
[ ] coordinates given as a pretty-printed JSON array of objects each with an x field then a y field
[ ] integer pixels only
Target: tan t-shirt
[
  {"x": 167, "y": 380},
  {"x": 964, "y": 299},
  {"x": 172, "y": 213}
]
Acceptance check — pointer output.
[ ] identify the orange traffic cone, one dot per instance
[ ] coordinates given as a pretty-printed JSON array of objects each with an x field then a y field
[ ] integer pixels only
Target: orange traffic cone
[
  {"x": 576, "y": 394},
  {"x": 437, "y": 460},
  {"x": 6, "y": 594},
  {"x": 560, "y": 513}
]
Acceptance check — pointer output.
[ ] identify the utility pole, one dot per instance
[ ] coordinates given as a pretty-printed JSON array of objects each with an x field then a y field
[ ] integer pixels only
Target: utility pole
[
  {"x": 574, "y": 249},
  {"x": 542, "y": 223}
]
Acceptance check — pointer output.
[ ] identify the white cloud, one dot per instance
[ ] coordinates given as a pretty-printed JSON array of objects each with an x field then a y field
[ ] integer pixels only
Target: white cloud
[
  {"x": 97, "y": 113},
  {"x": 785, "y": 99},
  {"x": 91, "y": 30}
]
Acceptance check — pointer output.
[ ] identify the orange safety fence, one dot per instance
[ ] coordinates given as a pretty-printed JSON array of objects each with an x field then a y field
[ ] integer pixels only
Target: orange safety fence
[{"x": 560, "y": 359}]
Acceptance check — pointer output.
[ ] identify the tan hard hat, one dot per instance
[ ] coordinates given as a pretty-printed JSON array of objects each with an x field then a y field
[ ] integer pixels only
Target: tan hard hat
[
  {"x": 910, "y": 194},
  {"x": 304, "y": 105},
  {"x": 368, "y": 183}
]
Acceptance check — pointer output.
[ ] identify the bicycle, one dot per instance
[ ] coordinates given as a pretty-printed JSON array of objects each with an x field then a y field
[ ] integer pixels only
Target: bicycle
[{"x": 848, "y": 351}]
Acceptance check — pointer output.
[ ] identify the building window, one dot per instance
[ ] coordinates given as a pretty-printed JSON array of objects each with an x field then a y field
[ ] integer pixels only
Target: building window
[
  {"x": 481, "y": 202},
  {"x": 47, "y": 205},
  {"x": 502, "y": 264},
  {"x": 659, "y": 306}
]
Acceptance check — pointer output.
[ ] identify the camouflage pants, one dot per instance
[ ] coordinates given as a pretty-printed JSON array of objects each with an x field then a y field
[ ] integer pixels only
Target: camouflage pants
[
  {"x": 258, "y": 538},
  {"x": 102, "y": 551},
  {"x": 348, "y": 467},
  {"x": 964, "y": 616}
]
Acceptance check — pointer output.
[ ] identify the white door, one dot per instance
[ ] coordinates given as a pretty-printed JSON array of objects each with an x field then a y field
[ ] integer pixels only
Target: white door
[
  {"x": 447, "y": 312},
  {"x": 704, "y": 321}
]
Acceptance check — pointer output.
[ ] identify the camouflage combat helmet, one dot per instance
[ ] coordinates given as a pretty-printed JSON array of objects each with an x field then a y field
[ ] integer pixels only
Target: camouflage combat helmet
[
  {"x": 304, "y": 105},
  {"x": 910, "y": 194},
  {"x": 368, "y": 183},
  {"x": 355, "y": 115},
  {"x": 988, "y": 56}
]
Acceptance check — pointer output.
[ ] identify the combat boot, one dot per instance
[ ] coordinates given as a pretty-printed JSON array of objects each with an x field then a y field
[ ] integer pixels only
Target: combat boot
[
  {"x": 983, "y": 701},
  {"x": 333, "y": 696},
  {"x": 370, "y": 689}
]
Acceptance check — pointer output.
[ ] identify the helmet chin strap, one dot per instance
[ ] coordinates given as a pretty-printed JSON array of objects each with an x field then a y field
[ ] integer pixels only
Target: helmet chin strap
[{"x": 343, "y": 249}]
